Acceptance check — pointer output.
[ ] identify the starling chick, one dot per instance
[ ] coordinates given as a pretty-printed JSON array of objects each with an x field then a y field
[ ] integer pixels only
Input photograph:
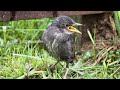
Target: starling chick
[{"x": 59, "y": 41}]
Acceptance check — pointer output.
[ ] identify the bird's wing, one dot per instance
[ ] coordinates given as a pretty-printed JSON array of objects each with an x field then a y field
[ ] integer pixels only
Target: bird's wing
[
  {"x": 49, "y": 36},
  {"x": 63, "y": 46}
]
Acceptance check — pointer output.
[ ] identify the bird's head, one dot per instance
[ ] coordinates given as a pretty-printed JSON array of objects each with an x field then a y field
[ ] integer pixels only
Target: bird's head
[{"x": 66, "y": 24}]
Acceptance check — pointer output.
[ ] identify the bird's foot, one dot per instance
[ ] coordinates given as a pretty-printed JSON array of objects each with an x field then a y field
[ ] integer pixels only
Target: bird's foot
[{"x": 52, "y": 68}]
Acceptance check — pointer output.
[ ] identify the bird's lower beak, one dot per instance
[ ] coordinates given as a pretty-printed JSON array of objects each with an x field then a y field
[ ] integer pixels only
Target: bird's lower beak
[
  {"x": 77, "y": 24},
  {"x": 73, "y": 29}
]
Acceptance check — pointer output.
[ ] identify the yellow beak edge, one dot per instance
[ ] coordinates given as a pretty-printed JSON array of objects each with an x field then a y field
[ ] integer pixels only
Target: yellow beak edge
[{"x": 73, "y": 29}]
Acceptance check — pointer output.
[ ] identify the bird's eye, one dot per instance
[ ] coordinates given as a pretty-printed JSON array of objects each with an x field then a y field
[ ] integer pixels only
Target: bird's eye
[{"x": 67, "y": 25}]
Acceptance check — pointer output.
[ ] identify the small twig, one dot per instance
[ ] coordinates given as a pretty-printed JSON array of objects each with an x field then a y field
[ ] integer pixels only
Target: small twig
[
  {"x": 89, "y": 62},
  {"x": 98, "y": 60},
  {"x": 104, "y": 44}
]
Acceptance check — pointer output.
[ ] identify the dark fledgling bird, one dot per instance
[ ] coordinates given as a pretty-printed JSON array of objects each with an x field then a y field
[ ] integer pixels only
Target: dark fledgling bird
[{"x": 58, "y": 39}]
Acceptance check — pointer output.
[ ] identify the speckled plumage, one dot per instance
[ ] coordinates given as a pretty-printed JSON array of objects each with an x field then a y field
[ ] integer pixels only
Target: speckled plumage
[{"x": 58, "y": 41}]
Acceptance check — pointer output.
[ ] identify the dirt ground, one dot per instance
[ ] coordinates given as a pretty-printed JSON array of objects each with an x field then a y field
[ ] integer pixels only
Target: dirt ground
[{"x": 103, "y": 27}]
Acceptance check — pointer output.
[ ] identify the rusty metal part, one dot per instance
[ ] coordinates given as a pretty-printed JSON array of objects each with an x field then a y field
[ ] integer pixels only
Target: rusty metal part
[
  {"x": 12, "y": 15},
  {"x": 55, "y": 14},
  {"x": 25, "y": 15},
  {"x": 71, "y": 13}
]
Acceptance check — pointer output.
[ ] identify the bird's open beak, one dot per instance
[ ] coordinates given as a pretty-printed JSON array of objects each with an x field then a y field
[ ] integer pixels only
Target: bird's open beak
[
  {"x": 73, "y": 29},
  {"x": 77, "y": 24}
]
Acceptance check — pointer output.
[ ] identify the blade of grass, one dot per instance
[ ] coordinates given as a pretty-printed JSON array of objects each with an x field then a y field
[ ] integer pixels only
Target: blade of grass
[
  {"x": 90, "y": 37},
  {"x": 117, "y": 22}
]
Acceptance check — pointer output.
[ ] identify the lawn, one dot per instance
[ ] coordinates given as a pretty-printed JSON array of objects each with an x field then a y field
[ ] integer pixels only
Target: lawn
[{"x": 23, "y": 57}]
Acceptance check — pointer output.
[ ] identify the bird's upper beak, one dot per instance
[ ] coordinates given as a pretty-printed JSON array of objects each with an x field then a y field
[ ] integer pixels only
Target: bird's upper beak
[
  {"x": 73, "y": 29},
  {"x": 77, "y": 24}
]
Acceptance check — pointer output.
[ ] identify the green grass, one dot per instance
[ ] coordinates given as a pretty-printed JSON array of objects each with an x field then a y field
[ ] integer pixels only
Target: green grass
[{"x": 22, "y": 54}]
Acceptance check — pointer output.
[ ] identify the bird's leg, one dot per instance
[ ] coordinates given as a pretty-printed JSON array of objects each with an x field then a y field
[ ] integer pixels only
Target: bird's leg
[
  {"x": 52, "y": 67},
  {"x": 67, "y": 69}
]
